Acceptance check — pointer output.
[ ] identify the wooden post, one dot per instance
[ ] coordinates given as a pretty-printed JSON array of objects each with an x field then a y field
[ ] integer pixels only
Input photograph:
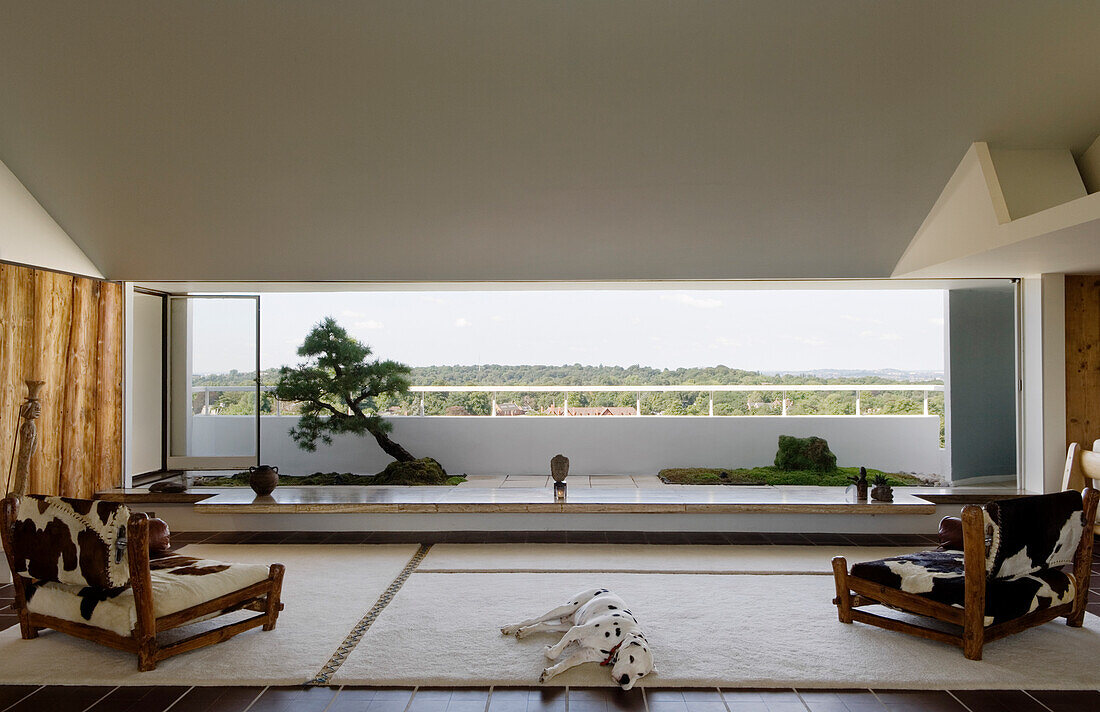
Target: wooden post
[
  {"x": 272, "y": 605},
  {"x": 843, "y": 593},
  {"x": 974, "y": 581},
  {"x": 1082, "y": 560},
  {"x": 145, "y": 630}
]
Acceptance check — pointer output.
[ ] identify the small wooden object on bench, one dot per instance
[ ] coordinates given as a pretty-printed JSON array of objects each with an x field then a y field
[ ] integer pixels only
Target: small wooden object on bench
[{"x": 262, "y": 597}]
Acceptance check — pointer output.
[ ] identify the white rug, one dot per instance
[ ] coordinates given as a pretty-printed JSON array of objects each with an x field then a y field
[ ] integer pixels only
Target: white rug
[
  {"x": 706, "y": 630},
  {"x": 326, "y": 591},
  {"x": 645, "y": 558}
]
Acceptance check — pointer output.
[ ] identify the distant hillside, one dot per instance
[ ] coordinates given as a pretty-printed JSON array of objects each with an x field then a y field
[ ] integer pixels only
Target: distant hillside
[{"x": 891, "y": 374}]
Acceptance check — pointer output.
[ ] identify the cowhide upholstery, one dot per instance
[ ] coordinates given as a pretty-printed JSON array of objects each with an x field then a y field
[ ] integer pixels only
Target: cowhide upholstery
[
  {"x": 178, "y": 582},
  {"x": 1029, "y": 534},
  {"x": 938, "y": 575},
  {"x": 1028, "y": 539},
  {"x": 78, "y": 542}
]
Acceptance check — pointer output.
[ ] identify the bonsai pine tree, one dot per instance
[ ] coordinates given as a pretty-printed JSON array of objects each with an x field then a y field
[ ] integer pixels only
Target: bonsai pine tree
[{"x": 337, "y": 387}]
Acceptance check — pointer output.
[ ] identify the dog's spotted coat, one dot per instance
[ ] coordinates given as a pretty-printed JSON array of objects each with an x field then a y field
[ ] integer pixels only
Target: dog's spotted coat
[{"x": 598, "y": 628}]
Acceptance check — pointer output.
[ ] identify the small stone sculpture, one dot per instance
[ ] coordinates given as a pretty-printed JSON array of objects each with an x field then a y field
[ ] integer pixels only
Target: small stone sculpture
[
  {"x": 559, "y": 470},
  {"x": 882, "y": 492},
  {"x": 28, "y": 437},
  {"x": 861, "y": 484}
]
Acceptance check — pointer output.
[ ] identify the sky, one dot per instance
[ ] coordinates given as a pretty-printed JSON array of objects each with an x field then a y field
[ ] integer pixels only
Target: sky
[{"x": 760, "y": 330}]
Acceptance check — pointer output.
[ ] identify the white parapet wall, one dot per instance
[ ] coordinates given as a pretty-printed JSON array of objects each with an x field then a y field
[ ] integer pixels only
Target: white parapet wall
[{"x": 595, "y": 445}]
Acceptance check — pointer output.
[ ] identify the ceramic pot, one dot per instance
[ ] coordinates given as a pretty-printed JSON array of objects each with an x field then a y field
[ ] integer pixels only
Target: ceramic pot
[{"x": 263, "y": 479}]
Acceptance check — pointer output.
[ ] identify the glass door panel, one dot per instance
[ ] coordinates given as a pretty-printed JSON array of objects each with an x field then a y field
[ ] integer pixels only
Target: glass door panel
[{"x": 214, "y": 421}]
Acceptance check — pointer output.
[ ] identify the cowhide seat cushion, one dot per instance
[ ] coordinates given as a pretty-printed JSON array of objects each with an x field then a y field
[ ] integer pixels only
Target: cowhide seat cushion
[
  {"x": 938, "y": 575},
  {"x": 178, "y": 582}
]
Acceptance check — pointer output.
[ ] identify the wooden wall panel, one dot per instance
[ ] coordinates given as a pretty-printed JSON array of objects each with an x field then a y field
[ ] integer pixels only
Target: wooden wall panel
[
  {"x": 109, "y": 392},
  {"x": 53, "y": 301},
  {"x": 1082, "y": 359},
  {"x": 67, "y": 331},
  {"x": 16, "y": 331},
  {"x": 78, "y": 413}
]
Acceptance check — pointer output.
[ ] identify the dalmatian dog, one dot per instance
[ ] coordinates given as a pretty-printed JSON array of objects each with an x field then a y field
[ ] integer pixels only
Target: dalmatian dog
[{"x": 598, "y": 629}]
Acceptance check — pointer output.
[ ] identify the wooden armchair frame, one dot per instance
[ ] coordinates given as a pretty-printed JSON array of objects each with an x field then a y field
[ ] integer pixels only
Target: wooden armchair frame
[
  {"x": 262, "y": 597},
  {"x": 852, "y": 593}
]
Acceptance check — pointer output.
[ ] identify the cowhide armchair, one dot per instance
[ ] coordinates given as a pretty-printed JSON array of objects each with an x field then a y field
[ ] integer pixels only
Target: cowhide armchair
[
  {"x": 82, "y": 567},
  {"x": 1008, "y": 576}
]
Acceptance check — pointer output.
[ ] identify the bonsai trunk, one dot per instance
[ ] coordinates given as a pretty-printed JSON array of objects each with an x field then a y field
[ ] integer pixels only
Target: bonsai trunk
[{"x": 390, "y": 447}]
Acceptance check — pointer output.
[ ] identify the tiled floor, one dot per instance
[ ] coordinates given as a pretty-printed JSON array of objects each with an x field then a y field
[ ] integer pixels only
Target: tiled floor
[
  {"x": 512, "y": 699},
  {"x": 17, "y": 698},
  {"x": 575, "y": 481}
]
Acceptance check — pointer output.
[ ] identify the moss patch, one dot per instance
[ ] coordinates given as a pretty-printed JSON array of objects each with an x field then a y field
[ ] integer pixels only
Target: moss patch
[
  {"x": 801, "y": 454},
  {"x": 774, "y": 476},
  {"x": 425, "y": 471}
]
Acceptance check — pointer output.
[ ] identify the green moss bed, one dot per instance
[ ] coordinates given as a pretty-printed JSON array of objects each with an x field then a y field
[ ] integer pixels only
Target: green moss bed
[
  {"x": 774, "y": 476},
  {"x": 424, "y": 471}
]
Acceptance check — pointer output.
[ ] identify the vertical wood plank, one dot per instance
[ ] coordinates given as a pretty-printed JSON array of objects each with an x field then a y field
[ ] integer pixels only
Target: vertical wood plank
[
  {"x": 108, "y": 409},
  {"x": 53, "y": 310},
  {"x": 16, "y": 329},
  {"x": 78, "y": 429},
  {"x": 1082, "y": 358}
]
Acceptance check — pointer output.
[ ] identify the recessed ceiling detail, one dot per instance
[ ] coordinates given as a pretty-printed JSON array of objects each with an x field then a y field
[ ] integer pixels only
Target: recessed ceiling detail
[{"x": 529, "y": 140}]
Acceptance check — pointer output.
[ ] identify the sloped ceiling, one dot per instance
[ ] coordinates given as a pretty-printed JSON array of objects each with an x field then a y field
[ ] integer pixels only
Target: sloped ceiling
[{"x": 524, "y": 139}]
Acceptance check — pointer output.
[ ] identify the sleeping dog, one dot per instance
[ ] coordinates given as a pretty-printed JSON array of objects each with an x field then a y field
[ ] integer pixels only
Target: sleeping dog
[{"x": 598, "y": 629}]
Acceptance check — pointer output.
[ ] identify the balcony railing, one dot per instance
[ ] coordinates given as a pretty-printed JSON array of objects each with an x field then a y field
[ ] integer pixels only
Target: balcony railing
[{"x": 858, "y": 389}]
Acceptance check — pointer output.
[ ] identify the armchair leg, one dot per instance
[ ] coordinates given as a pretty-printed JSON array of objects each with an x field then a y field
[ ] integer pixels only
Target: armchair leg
[
  {"x": 147, "y": 654},
  {"x": 26, "y": 630},
  {"x": 843, "y": 593},
  {"x": 273, "y": 605}
]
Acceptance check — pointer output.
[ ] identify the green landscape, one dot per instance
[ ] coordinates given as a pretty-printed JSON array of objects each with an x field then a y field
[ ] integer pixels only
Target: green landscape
[{"x": 576, "y": 376}]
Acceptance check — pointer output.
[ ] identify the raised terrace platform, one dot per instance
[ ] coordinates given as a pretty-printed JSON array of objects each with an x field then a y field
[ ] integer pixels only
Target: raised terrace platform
[
  {"x": 525, "y": 503},
  {"x": 516, "y": 500}
]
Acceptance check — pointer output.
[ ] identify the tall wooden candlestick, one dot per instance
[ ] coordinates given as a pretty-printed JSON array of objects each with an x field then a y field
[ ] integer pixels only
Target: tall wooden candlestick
[{"x": 28, "y": 437}]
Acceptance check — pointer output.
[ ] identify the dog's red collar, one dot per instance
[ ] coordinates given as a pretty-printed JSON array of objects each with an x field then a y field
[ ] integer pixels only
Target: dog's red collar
[{"x": 611, "y": 654}]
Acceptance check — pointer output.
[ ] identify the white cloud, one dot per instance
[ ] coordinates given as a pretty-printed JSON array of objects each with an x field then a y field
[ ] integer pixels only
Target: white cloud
[
  {"x": 860, "y": 319},
  {"x": 875, "y": 336},
  {"x": 369, "y": 324},
  {"x": 462, "y": 322},
  {"x": 690, "y": 301},
  {"x": 809, "y": 341},
  {"x": 497, "y": 317}
]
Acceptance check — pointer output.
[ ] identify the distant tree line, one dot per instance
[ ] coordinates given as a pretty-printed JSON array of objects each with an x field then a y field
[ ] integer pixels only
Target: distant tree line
[{"x": 577, "y": 375}]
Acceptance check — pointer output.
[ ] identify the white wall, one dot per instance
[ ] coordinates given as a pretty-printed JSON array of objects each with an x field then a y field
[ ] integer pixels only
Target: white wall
[
  {"x": 1044, "y": 382},
  {"x": 29, "y": 235},
  {"x": 147, "y": 380},
  {"x": 594, "y": 445}
]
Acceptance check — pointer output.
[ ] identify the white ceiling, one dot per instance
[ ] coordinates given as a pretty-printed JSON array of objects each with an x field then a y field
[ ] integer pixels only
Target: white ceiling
[{"x": 523, "y": 140}]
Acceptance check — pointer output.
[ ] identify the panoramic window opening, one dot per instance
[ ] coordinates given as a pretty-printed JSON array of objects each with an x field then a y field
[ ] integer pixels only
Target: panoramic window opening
[{"x": 696, "y": 384}]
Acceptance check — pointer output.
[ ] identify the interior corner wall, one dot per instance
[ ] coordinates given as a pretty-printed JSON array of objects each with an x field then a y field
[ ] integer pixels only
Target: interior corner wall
[
  {"x": 29, "y": 236},
  {"x": 982, "y": 387},
  {"x": 146, "y": 376},
  {"x": 1044, "y": 382}
]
